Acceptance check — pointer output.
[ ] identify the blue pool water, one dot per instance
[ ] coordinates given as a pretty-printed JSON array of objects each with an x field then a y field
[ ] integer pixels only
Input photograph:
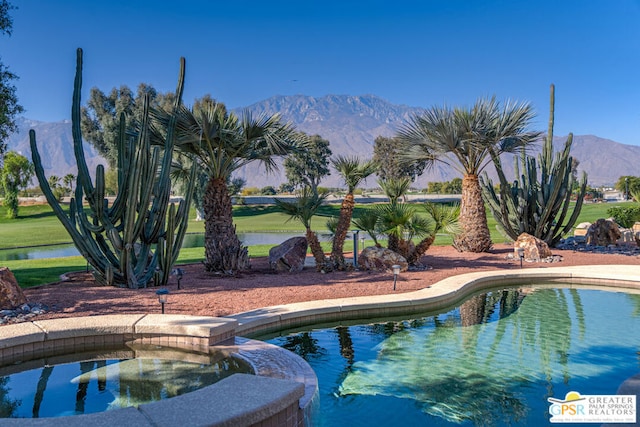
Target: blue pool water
[{"x": 493, "y": 361}]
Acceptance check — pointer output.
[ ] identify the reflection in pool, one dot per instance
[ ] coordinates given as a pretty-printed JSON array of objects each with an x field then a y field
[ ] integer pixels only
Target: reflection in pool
[
  {"x": 100, "y": 385},
  {"x": 492, "y": 361}
]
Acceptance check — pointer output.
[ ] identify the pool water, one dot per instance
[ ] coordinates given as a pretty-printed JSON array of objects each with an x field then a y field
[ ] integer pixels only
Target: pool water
[
  {"x": 100, "y": 385},
  {"x": 493, "y": 361}
]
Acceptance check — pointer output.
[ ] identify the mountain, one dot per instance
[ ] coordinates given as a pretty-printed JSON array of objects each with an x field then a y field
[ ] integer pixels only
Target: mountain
[
  {"x": 351, "y": 124},
  {"x": 55, "y": 145}
]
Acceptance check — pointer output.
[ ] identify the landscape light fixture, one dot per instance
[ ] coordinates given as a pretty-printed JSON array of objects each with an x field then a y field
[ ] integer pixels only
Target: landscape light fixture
[
  {"x": 396, "y": 271},
  {"x": 362, "y": 241},
  {"x": 520, "y": 255},
  {"x": 178, "y": 272},
  {"x": 355, "y": 247},
  {"x": 626, "y": 188},
  {"x": 163, "y": 296}
]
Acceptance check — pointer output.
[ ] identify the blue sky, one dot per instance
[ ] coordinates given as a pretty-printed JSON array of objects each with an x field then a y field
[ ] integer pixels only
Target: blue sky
[{"x": 419, "y": 53}]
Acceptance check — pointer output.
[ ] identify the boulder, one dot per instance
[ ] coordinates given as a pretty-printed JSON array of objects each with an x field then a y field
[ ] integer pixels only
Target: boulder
[
  {"x": 581, "y": 229},
  {"x": 289, "y": 256},
  {"x": 535, "y": 249},
  {"x": 374, "y": 258},
  {"x": 603, "y": 232},
  {"x": 11, "y": 295}
]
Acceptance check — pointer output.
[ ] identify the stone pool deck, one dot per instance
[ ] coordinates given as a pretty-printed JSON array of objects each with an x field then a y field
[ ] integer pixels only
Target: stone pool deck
[{"x": 283, "y": 389}]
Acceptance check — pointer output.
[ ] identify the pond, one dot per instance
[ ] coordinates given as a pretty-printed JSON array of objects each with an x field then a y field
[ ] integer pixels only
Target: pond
[
  {"x": 194, "y": 240},
  {"x": 99, "y": 384},
  {"x": 492, "y": 361}
]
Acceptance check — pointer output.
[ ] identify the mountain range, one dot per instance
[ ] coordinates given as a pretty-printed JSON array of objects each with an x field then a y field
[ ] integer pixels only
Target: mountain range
[{"x": 351, "y": 124}]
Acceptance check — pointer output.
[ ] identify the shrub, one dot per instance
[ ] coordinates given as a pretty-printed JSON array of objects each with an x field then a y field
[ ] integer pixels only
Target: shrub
[{"x": 625, "y": 216}]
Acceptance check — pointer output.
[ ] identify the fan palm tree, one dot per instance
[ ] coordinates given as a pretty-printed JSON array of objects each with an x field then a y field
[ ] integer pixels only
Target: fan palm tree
[
  {"x": 464, "y": 139},
  {"x": 221, "y": 143},
  {"x": 353, "y": 172},
  {"x": 303, "y": 208},
  {"x": 401, "y": 223},
  {"x": 368, "y": 222},
  {"x": 395, "y": 188},
  {"x": 445, "y": 218}
]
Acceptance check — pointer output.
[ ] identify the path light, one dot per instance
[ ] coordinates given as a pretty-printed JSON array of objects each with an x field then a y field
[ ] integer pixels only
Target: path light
[
  {"x": 520, "y": 255},
  {"x": 163, "y": 296},
  {"x": 362, "y": 241},
  {"x": 178, "y": 272},
  {"x": 396, "y": 271},
  {"x": 355, "y": 247}
]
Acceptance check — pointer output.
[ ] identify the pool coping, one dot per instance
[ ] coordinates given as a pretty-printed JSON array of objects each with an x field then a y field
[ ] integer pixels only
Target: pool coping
[
  {"x": 284, "y": 386},
  {"x": 443, "y": 294}
]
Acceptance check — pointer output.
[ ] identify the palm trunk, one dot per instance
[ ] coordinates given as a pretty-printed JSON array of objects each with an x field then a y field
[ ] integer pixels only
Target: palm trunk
[
  {"x": 316, "y": 250},
  {"x": 344, "y": 222},
  {"x": 224, "y": 252},
  {"x": 393, "y": 243},
  {"x": 420, "y": 249},
  {"x": 475, "y": 235}
]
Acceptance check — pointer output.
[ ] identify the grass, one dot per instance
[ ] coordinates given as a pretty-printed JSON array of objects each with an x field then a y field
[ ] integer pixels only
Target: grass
[{"x": 38, "y": 225}]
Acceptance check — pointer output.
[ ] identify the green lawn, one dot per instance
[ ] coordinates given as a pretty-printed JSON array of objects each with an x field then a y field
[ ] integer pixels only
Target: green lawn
[{"x": 37, "y": 225}]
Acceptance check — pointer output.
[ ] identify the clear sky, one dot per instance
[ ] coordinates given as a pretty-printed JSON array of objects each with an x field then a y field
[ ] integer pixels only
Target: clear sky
[{"x": 419, "y": 53}]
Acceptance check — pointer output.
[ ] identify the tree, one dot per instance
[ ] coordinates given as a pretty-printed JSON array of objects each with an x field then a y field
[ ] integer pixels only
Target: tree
[
  {"x": 386, "y": 156},
  {"x": 628, "y": 185},
  {"x": 100, "y": 119},
  {"x": 222, "y": 142},
  {"x": 68, "y": 181},
  {"x": 308, "y": 166},
  {"x": 15, "y": 175},
  {"x": 395, "y": 188},
  {"x": 353, "y": 172},
  {"x": 303, "y": 208},
  {"x": 9, "y": 107},
  {"x": 463, "y": 139}
]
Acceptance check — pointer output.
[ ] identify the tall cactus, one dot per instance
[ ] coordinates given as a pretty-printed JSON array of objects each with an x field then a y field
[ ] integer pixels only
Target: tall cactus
[
  {"x": 137, "y": 238},
  {"x": 537, "y": 207}
]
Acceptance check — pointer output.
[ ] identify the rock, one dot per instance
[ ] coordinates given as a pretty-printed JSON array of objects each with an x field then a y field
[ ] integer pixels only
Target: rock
[
  {"x": 581, "y": 229},
  {"x": 534, "y": 249},
  {"x": 11, "y": 296},
  {"x": 603, "y": 232},
  {"x": 289, "y": 256},
  {"x": 374, "y": 258},
  {"x": 626, "y": 236}
]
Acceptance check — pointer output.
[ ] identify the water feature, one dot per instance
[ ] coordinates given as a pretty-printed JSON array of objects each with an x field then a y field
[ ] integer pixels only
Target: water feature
[
  {"x": 120, "y": 379},
  {"x": 192, "y": 240},
  {"x": 494, "y": 360}
]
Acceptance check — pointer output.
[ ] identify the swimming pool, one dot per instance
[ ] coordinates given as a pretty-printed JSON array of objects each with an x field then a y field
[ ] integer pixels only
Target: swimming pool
[{"x": 494, "y": 360}]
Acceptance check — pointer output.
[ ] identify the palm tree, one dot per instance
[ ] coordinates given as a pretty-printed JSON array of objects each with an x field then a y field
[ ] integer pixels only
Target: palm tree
[
  {"x": 353, "y": 171},
  {"x": 368, "y": 222},
  {"x": 401, "y": 223},
  {"x": 445, "y": 218},
  {"x": 395, "y": 188},
  {"x": 465, "y": 139},
  {"x": 303, "y": 208},
  {"x": 221, "y": 143}
]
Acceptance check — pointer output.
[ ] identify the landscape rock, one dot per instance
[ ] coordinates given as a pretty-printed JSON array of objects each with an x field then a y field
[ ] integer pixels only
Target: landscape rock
[
  {"x": 289, "y": 256},
  {"x": 11, "y": 295},
  {"x": 535, "y": 249},
  {"x": 374, "y": 258},
  {"x": 603, "y": 232}
]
